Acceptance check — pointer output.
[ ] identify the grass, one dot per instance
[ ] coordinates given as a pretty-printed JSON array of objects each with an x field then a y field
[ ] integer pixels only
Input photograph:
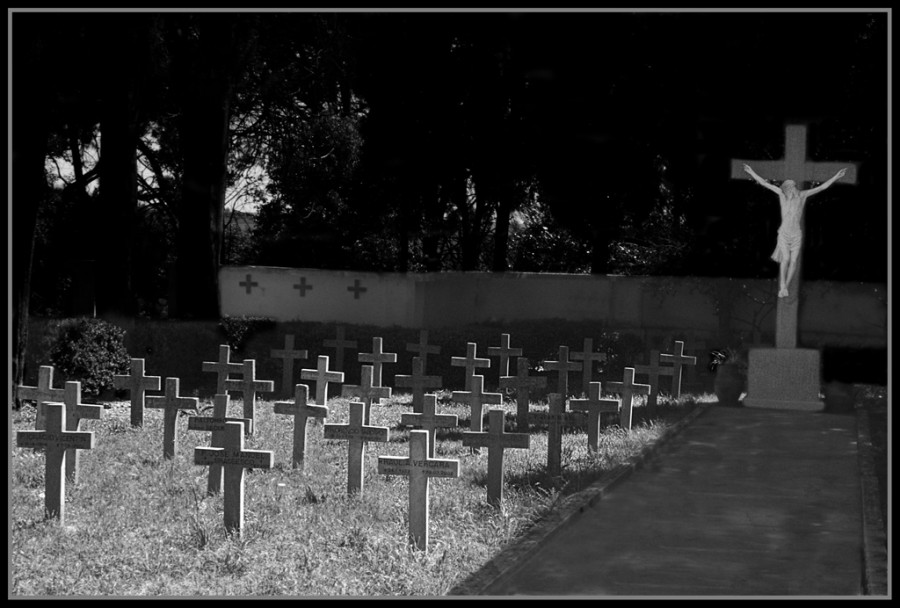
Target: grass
[{"x": 139, "y": 525}]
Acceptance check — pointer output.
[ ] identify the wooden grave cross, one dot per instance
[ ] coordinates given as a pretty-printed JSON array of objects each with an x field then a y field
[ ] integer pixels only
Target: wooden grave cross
[
  {"x": 216, "y": 425},
  {"x": 418, "y": 382},
  {"x": 470, "y": 362},
  {"x": 524, "y": 385},
  {"x": 75, "y": 412},
  {"x": 504, "y": 352},
  {"x": 56, "y": 443},
  {"x": 419, "y": 467},
  {"x": 793, "y": 166},
  {"x": 41, "y": 394},
  {"x": 429, "y": 420},
  {"x": 556, "y": 421},
  {"x": 357, "y": 434},
  {"x": 288, "y": 355},
  {"x": 170, "y": 403},
  {"x": 594, "y": 405},
  {"x": 340, "y": 345},
  {"x": 423, "y": 348},
  {"x": 477, "y": 399},
  {"x": 563, "y": 366},
  {"x": 322, "y": 376},
  {"x": 234, "y": 459},
  {"x": 223, "y": 367},
  {"x": 248, "y": 386},
  {"x": 627, "y": 389},
  {"x": 679, "y": 360},
  {"x": 496, "y": 440},
  {"x": 302, "y": 411},
  {"x": 137, "y": 383},
  {"x": 587, "y": 356},
  {"x": 366, "y": 391},
  {"x": 654, "y": 370},
  {"x": 377, "y": 358}
]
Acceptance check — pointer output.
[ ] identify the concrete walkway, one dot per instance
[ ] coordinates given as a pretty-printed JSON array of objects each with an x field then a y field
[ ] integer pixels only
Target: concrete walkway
[{"x": 741, "y": 502}]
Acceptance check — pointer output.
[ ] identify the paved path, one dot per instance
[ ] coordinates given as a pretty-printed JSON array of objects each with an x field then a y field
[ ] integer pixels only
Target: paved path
[{"x": 742, "y": 502}]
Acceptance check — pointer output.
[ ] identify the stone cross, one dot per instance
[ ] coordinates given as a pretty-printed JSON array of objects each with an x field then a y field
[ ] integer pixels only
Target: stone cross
[
  {"x": 563, "y": 366},
  {"x": 594, "y": 406},
  {"x": 429, "y": 421},
  {"x": 627, "y": 389},
  {"x": 216, "y": 425},
  {"x": 419, "y": 467},
  {"x": 556, "y": 421},
  {"x": 367, "y": 391},
  {"x": 137, "y": 383},
  {"x": 76, "y": 411},
  {"x": 470, "y": 362},
  {"x": 248, "y": 386},
  {"x": 477, "y": 399},
  {"x": 322, "y": 377},
  {"x": 377, "y": 358},
  {"x": 340, "y": 345},
  {"x": 56, "y": 443},
  {"x": 357, "y": 434},
  {"x": 504, "y": 352},
  {"x": 793, "y": 166},
  {"x": 524, "y": 384},
  {"x": 42, "y": 393},
  {"x": 170, "y": 403},
  {"x": 496, "y": 440},
  {"x": 302, "y": 411},
  {"x": 587, "y": 356},
  {"x": 288, "y": 355},
  {"x": 678, "y": 359},
  {"x": 654, "y": 370},
  {"x": 234, "y": 459},
  {"x": 418, "y": 382},
  {"x": 222, "y": 368},
  {"x": 423, "y": 348}
]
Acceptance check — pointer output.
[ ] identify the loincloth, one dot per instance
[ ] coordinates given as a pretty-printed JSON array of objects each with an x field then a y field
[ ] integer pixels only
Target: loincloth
[{"x": 787, "y": 243}]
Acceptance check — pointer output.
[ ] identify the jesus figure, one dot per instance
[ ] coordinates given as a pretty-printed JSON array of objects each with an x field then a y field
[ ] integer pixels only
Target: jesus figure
[{"x": 790, "y": 233}]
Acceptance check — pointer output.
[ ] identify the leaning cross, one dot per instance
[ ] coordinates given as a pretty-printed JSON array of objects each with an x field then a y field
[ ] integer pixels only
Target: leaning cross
[
  {"x": 419, "y": 467},
  {"x": 75, "y": 412},
  {"x": 470, "y": 362},
  {"x": 216, "y": 425},
  {"x": 137, "y": 383},
  {"x": 423, "y": 348},
  {"x": 42, "y": 393},
  {"x": 563, "y": 366},
  {"x": 222, "y": 368},
  {"x": 496, "y": 440},
  {"x": 594, "y": 406},
  {"x": 627, "y": 389},
  {"x": 322, "y": 376},
  {"x": 302, "y": 411},
  {"x": 377, "y": 358},
  {"x": 654, "y": 370},
  {"x": 248, "y": 386},
  {"x": 504, "y": 352},
  {"x": 793, "y": 166},
  {"x": 56, "y": 443},
  {"x": 679, "y": 360},
  {"x": 366, "y": 391},
  {"x": 170, "y": 403},
  {"x": 418, "y": 382},
  {"x": 288, "y": 356},
  {"x": 357, "y": 434},
  {"x": 587, "y": 356},
  {"x": 234, "y": 459},
  {"x": 524, "y": 384},
  {"x": 430, "y": 421},
  {"x": 340, "y": 345}
]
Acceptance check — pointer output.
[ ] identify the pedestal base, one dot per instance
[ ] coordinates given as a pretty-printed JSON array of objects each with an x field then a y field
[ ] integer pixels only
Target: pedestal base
[{"x": 784, "y": 378}]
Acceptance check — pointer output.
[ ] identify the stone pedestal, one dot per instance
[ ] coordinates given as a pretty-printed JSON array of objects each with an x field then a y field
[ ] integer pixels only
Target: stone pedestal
[{"x": 784, "y": 378}]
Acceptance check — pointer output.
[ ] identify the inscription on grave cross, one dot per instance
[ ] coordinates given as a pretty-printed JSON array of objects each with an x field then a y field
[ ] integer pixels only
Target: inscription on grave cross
[
  {"x": 322, "y": 377},
  {"x": 170, "y": 403},
  {"x": 418, "y": 382},
  {"x": 288, "y": 355},
  {"x": 627, "y": 389},
  {"x": 504, "y": 352},
  {"x": 357, "y": 434},
  {"x": 42, "y": 393},
  {"x": 594, "y": 405},
  {"x": 587, "y": 356},
  {"x": 366, "y": 391},
  {"x": 524, "y": 385},
  {"x": 340, "y": 344},
  {"x": 137, "y": 383},
  {"x": 75, "y": 412},
  {"x": 216, "y": 425},
  {"x": 223, "y": 367},
  {"x": 302, "y": 411},
  {"x": 56, "y": 443},
  {"x": 423, "y": 348},
  {"x": 429, "y": 421},
  {"x": 678, "y": 359},
  {"x": 419, "y": 468},
  {"x": 248, "y": 386},
  {"x": 234, "y": 459},
  {"x": 496, "y": 439},
  {"x": 563, "y": 366},
  {"x": 377, "y": 358},
  {"x": 470, "y": 362},
  {"x": 654, "y": 370}
]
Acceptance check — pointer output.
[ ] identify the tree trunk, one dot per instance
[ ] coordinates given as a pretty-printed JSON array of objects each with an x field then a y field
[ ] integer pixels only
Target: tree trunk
[
  {"x": 600, "y": 251},
  {"x": 501, "y": 233}
]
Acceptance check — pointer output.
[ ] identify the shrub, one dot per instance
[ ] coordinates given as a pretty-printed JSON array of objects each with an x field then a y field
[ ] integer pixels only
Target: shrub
[
  {"x": 239, "y": 329},
  {"x": 91, "y": 351}
]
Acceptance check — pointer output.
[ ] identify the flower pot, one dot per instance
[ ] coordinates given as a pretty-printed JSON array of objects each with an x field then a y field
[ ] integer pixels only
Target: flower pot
[{"x": 729, "y": 384}]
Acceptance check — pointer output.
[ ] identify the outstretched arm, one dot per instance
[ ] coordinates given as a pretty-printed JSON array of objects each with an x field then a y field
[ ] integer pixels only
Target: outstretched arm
[
  {"x": 821, "y": 187},
  {"x": 760, "y": 180}
]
